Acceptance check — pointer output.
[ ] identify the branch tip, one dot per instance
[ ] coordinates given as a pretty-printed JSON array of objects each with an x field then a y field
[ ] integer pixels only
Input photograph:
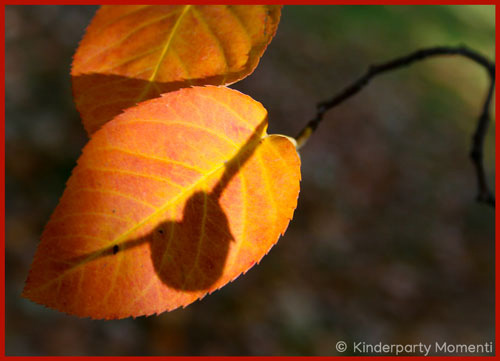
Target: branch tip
[{"x": 485, "y": 195}]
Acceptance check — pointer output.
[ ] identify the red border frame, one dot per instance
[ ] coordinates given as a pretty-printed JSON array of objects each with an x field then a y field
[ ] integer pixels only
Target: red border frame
[
  {"x": 290, "y": 2},
  {"x": 253, "y": 2},
  {"x": 2, "y": 192},
  {"x": 497, "y": 183}
]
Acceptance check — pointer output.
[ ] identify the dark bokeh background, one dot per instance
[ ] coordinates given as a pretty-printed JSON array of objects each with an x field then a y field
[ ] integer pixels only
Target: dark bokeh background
[{"x": 387, "y": 243}]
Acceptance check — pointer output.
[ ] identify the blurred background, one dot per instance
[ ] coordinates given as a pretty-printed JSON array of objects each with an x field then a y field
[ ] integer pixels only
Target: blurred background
[{"x": 387, "y": 242}]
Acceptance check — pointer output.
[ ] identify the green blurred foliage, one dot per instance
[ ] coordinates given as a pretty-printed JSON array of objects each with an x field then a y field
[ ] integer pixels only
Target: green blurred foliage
[{"x": 387, "y": 243}]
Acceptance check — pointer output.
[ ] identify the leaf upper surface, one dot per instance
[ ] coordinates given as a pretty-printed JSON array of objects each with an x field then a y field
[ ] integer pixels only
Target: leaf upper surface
[
  {"x": 169, "y": 201},
  {"x": 132, "y": 53}
]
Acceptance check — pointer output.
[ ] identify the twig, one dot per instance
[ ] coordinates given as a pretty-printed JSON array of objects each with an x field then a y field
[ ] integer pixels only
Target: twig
[{"x": 484, "y": 193}]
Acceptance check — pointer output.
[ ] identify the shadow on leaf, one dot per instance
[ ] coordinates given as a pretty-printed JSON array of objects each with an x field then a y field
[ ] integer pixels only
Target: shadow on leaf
[
  {"x": 191, "y": 254},
  {"x": 101, "y": 97}
]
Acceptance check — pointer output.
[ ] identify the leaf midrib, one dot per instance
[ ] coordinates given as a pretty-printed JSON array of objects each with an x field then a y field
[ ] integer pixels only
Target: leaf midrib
[
  {"x": 124, "y": 235},
  {"x": 169, "y": 42},
  {"x": 163, "y": 53}
]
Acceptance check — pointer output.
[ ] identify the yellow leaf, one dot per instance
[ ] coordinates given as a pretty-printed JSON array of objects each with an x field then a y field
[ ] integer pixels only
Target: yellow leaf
[
  {"x": 133, "y": 53},
  {"x": 169, "y": 201}
]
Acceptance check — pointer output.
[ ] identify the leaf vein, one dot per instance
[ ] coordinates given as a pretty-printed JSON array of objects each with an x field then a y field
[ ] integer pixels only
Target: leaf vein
[
  {"x": 152, "y": 157},
  {"x": 124, "y": 38},
  {"x": 129, "y": 172},
  {"x": 62, "y": 218}
]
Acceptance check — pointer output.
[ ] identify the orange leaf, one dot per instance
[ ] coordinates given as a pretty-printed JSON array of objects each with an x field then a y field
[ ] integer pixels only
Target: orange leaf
[
  {"x": 170, "y": 200},
  {"x": 133, "y": 53}
]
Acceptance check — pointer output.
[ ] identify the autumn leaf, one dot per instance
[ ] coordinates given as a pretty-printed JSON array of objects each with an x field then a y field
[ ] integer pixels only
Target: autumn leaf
[
  {"x": 169, "y": 201},
  {"x": 133, "y": 53}
]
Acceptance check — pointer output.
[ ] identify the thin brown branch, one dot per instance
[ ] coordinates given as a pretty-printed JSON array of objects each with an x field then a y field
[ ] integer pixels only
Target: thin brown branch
[{"x": 485, "y": 194}]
